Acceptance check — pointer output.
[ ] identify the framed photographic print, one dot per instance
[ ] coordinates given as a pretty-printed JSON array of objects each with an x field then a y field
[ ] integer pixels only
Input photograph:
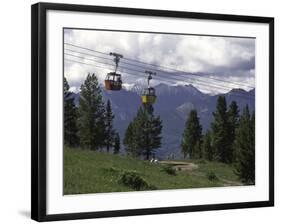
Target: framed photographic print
[{"x": 139, "y": 111}]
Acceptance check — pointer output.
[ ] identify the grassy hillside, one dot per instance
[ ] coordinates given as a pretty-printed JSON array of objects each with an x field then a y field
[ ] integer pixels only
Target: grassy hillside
[{"x": 93, "y": 172}]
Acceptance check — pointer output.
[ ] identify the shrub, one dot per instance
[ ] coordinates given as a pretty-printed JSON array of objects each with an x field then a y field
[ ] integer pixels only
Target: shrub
[
  {"x": 212, "y": 176},
  {"x": 169, "y": 170},
  {"x": 135, "y": 181}
]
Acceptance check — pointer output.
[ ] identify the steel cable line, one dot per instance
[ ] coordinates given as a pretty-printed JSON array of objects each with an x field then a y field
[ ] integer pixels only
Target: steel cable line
[
  {"x": 166, "y": 80},
  {"x": 164, "y": 67},
  {"x": 198, "y": 82},
  {"x": 130, "y": 64},
  {"x": 88, "y": 59},
  {"x": 186, "y": 73},
  {"x": 121, "y": 69},
  {"x": 162, "y": 78},
  {"x": 92, "y": 65},
  {"x": 126, "y": 68},
  {"x": 70, "y": 60},
  {"x": 199, "y": 85}
]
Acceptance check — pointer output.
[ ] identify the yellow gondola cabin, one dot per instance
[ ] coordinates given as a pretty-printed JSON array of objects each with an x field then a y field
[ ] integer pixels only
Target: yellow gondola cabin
[{"x": 149, "y": 96}]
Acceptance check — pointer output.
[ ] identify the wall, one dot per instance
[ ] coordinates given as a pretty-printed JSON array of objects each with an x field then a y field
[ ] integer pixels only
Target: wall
[{"x": 15, "y": 110}]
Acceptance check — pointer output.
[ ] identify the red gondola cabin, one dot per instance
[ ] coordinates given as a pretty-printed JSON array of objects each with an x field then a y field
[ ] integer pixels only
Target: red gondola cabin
[{"x": 113, "y": 81}]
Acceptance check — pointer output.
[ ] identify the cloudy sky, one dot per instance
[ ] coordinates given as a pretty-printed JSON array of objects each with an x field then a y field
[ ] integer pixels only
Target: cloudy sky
[{"x": 218, "y": 64}]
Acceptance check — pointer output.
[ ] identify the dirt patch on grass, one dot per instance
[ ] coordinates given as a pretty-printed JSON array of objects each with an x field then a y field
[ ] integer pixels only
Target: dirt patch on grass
[{"x": 180, "y": 165}]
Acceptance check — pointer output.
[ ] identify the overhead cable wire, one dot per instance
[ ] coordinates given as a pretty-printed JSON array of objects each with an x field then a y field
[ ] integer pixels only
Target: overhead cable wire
[
  {"x": 198, "y": 82},
  {"x": 164, "y": 67},
  {"x": 167, "y": 80}
]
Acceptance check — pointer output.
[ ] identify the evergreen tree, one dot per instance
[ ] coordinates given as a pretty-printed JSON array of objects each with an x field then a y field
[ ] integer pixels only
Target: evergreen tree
[
  {"x": 151, "y": 133},
  {"x": 116, "y": 144},
  {"x": 70, "y": 117},
  {"x": 233, "y": 117},
  {"x": 207, "y": 146},
  {"x": 143, "y": 134},
  {"x": 130, "y": 140},
  {"x": 191, "y": 142},
  {"x": 253, "y": 147},
  {"x": 91, "y": 114},
  {"x": 245, "y": 144},
  {"x": 109, "y": 131},
  {"x": 220, "y": 130},
  {"x": 65, "y": 87}
]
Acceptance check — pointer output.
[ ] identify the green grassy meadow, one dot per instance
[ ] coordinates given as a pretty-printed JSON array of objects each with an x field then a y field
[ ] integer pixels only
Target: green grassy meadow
[{"x": 98, "y": 172}]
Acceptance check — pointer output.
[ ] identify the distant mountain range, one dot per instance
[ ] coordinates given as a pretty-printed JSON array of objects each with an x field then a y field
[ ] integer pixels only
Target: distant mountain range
[{"x": 173, "y": 105}]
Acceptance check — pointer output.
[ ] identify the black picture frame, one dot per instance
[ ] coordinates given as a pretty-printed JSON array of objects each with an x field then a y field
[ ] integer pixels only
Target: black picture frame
[{"x": 39, "y": 107}]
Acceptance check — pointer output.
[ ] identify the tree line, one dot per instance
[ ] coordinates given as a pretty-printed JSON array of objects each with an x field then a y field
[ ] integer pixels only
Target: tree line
[
  {"x": 91, "y": 124},
  {"x": 230, "y": 139}
]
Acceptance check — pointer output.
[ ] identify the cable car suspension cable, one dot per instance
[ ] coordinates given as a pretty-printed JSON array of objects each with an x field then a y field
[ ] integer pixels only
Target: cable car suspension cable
[
  {"x": 169, "y": 80},
  {"x": 198, "y": 82},
  {"x": 164, "y": 67}
]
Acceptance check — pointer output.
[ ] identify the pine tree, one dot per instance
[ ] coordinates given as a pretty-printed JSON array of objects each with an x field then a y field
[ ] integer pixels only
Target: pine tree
[
  {"x": 220, "y": 129},
  {"x": 143, "y": 134},
  {"x": 253, "y": 147},
  {"x": 130, "y": 140},
  {"x": 198, "y": 149},
  {"x": 91, "y": 114},
  {"x": 70, "y": 117},
  {"x": 116, "y": 144},
  {"x": 233, "y": 117},
  {"x": 245, "y": 144},
  {"x": 191, "y": 142},
  {"x": 151, "y": 132},
  {"x": 109, "y": 131},
  {"x": 207, "y": 146}
]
